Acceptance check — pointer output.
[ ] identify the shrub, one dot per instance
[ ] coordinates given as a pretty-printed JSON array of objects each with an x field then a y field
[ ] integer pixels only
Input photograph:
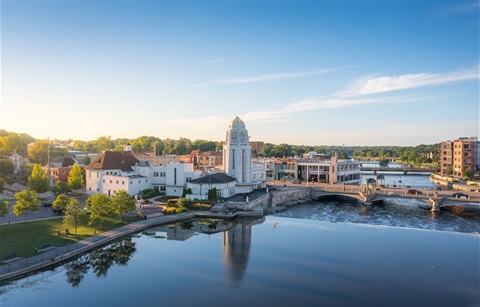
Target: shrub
[
  {"x": 180, "y": 210},
  {"x": 139, "y": 215},
  {"x": 172, "y": 202},
  {"x": 149, "y": 193},
  {"x": 199, "y": 206},
  {"x": 170, "y": 210},
  {"x": 185, "y": 203}
]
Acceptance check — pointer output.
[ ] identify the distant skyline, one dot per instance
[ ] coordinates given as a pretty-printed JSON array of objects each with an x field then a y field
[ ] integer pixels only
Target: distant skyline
[{"x": 367, "y": 73}]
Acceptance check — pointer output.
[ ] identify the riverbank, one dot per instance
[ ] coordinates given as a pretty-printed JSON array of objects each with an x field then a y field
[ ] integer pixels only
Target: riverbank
[{"x": 18, "y": 267}]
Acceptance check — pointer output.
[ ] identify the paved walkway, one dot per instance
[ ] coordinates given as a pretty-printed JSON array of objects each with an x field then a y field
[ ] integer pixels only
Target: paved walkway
[{"x": 20, "y": 266}]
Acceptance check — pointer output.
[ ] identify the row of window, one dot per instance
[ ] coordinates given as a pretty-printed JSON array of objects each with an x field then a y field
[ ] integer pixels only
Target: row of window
[
  {"x": 123, "y": 182},
  {"x": 158, "y": 174}
]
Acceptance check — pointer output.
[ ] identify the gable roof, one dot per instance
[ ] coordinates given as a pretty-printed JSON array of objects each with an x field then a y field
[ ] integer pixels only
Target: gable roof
[
  {"x": 123, "y": 160},
  {"x": 213, "y": 179}
]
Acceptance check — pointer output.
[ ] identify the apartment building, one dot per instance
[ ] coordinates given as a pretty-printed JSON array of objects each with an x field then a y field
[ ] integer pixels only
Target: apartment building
[{"x": 461, "y": 155}]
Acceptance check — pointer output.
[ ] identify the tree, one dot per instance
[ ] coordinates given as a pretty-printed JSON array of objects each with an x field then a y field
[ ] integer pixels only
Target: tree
[
  {"x": 75, "y": 216},
  {"x": 467, "y": 174},
  {"x": 212, "y": 194},
  {"x": 75, "y": 177},
  {"x": 61, "y": 187},
  {"x": 450, "y": 171},
  {"x": 100, "y": 208},
  {"x": 2, "y": 185},
  {"x": 61, "y": 202},
  {"x": 38, "y": 180},
  {"x": 6, "y": 167},
  {"x": 122, "y": 203},
  {"x": 383, "y": 163},
  {"x": 26, "y": 201},
  {"x": 3, "y": 208}
]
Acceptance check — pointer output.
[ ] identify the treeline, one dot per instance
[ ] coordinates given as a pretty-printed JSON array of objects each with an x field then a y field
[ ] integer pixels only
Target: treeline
[
  {"x": 415, "y": 155},
  {"x": 10, "y": 141}
]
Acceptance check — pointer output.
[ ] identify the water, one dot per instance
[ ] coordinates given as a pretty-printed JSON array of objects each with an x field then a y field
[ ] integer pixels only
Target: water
[
  {"x": 408, "y": 213},
  {"x": 298, "y": 262},
  {"x": 419, "y": 181}
]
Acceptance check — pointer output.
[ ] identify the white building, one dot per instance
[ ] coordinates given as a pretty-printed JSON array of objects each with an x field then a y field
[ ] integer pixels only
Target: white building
[{"x": 237, "y": 161}]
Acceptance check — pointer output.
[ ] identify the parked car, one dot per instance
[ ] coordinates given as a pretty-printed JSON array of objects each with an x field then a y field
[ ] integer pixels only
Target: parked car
[
  {"x": 146, "y": 201},
  {"x": 460, "y": 195},
  {"x": 47, "y": 203},
  {"x": 296, "y": 181},
  {"x": 414, "y": 192}
]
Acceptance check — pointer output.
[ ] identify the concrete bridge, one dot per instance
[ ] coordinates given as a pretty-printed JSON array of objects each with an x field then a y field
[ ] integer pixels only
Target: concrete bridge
[
  {"x": 404, "y": 170},
  {"x": 433, "y": 199}
]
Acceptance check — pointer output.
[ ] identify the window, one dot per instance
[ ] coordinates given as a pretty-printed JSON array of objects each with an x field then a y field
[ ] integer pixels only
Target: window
[
  {"x": 162, "y": 189},
  {"x": 155, "y": 174},
  {"x": 139, "y": 181},
  {"x": 131, "y": 182},
  {"x": 110, "y": 181},
  {"x": 103, "y": 180},
  {"x": 162, "y": 174},
  {"x": 123, "y": 182}
]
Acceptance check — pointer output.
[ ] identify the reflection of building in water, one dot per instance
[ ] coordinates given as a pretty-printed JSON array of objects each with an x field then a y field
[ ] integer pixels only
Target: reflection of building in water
[{"x": 236, "y": 250}]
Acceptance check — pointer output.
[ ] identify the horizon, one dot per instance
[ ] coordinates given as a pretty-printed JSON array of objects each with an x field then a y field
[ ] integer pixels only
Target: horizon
[{"x": 317, "y": 72}]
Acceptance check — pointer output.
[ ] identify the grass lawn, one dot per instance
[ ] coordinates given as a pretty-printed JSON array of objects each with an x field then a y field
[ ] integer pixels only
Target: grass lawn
[{"x": 23, "y": 238}]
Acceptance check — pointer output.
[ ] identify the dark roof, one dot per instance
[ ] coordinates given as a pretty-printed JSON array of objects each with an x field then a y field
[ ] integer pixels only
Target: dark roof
[
  {"x": 123, "y": 160},
  {"x": 213, "y": 179}
]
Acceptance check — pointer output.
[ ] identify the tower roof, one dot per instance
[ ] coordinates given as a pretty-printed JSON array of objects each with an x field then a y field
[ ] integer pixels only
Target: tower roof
[{"x": 237, "y": 123}]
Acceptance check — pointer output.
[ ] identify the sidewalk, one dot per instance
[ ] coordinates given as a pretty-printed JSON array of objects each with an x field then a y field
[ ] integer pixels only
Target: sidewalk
[{"x": 21, "y": 266}]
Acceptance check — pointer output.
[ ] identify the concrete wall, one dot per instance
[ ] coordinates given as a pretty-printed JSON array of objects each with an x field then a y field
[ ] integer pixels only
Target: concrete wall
[{"x": 280, "y": 197}]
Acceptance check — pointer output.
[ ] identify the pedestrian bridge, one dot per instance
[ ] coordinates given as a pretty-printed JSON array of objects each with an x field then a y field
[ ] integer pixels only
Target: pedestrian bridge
[{"x": 435, "y": 201}]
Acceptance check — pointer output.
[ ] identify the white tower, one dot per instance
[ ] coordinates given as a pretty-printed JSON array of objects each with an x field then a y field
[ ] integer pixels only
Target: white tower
[{"x": 237, "y": 152}]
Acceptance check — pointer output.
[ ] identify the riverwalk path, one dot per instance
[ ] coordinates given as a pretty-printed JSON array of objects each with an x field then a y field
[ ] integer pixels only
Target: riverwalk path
[{"x": 52, "y": 255}]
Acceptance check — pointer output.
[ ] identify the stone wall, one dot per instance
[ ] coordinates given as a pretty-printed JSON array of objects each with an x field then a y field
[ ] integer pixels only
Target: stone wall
[{"x": 289, "y": 196}]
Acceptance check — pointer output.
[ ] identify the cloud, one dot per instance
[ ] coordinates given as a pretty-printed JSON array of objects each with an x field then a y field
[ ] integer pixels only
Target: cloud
[
  {"x": 467, "y": 8},
  {"x": 395, "y": 83},
  {"x": 311, "y": 104},
  {"x": 266, "y": 77},
  {"x": 213, "y": 61}
]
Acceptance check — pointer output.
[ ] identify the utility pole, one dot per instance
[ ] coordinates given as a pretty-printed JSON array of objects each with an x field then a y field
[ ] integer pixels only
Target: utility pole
[
  {"x": 154, "y": 153},
  {"x": 48, "y": 160}
]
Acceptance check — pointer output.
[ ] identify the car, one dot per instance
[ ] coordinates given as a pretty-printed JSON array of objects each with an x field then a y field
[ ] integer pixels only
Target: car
[
  {"x": 47, "y": 203},
  {"x": 146, "y": 201},
  {"x": 414, "y": 192},
  {"x": 460, "y": 195},
  {"x": 296, "y": 181}
]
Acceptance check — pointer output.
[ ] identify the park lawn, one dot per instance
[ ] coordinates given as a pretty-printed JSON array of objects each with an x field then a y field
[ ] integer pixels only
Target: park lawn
[{"x": 23, "y": 238}]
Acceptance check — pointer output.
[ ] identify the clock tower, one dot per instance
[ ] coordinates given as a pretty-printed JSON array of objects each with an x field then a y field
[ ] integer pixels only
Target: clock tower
[{"x": 237, "y": 152}]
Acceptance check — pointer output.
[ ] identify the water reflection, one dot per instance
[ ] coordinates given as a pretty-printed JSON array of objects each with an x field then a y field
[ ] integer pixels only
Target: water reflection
[
  {"x": 236, "y": 250},
  {"x": 100, "y": 261}
]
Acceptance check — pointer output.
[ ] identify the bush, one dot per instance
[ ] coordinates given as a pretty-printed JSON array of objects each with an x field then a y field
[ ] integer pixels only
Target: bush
[
  {"x": 139, "y": 215},
  {"x": 199, "y": 206},
  {"x": 172, "y": 202},
  {"x": 170, "y": 211},
  {"x": 185, "y": 203},
  {"x": 180, "y": 210},
  {"x": 149, "y": 193}
]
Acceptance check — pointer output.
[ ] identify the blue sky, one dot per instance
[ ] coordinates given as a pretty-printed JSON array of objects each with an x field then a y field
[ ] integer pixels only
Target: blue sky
[{"x": 398, "y": 72}]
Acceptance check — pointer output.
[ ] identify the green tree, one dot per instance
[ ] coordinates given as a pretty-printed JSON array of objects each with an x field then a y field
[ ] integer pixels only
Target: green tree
[
  {"x": 450, "y": 171},
  {"x": 61, "y": 187},
  {"x": 38, "y": 180},
  {"x": 75, "y": 216},
  {"x": 3, "y": 208},
  {"x": 122, "y": 203},
  {"x": 61, "y": 202},
  {"x": 2, "y": 185},
  {"x": 467, "y": 174},
  {"x": 6, "y": 167},
  {"x": 212, "y": 194},
  {"x": 383, "y": 163},
  {"x": 75, "y": 177},
  {"x": 26, "y": 202},
  {"x": 100, "y": 208}
]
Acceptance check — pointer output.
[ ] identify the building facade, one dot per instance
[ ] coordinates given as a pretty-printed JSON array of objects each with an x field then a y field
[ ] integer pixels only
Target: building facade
[{"x": 459, "y": 156}]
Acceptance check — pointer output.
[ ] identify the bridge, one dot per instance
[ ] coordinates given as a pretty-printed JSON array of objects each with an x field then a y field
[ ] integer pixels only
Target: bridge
[
  {"x": 404, "y": 170},
  {"x": 431, "y": 198}
]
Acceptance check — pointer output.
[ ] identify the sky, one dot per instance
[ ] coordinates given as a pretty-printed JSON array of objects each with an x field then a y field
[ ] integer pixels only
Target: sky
[{"x": 353, "y": 73}]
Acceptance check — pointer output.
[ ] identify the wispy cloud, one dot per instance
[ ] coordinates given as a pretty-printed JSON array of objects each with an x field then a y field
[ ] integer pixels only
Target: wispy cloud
[
  {"x": 266, "y": 77},
  {"x": 335, "y": 103},
  {"x": 467, "y": 8},
  {"x": 367, "y": 86},
  {"x": 213, "y": 61}
]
